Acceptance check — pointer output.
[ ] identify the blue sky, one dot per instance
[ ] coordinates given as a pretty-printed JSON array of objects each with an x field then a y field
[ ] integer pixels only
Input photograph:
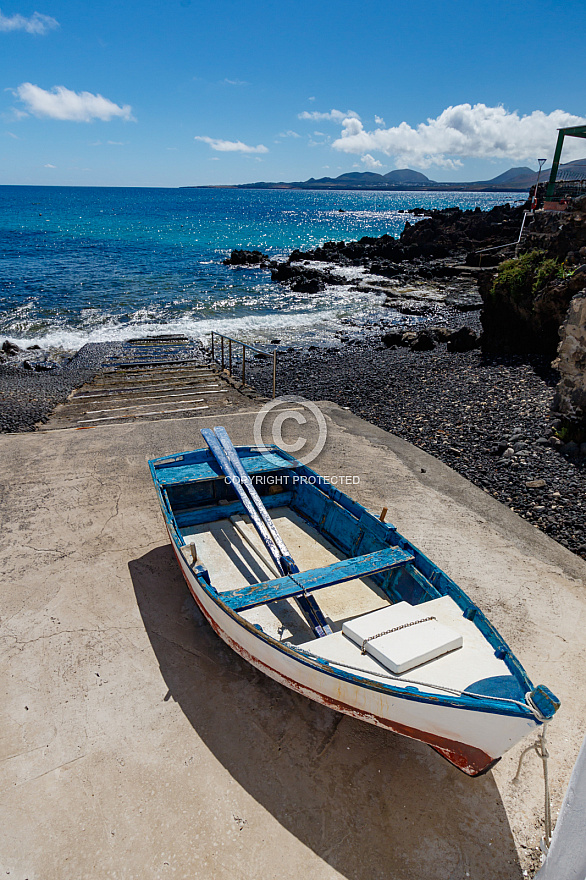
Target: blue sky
[{"x": 185, "y": 92}]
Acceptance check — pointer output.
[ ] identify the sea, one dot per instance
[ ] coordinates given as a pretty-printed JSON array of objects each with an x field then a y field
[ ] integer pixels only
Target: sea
[{"x": 96, "y": 264}]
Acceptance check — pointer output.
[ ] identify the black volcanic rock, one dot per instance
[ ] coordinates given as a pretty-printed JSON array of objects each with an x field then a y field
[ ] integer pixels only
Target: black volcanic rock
[
  {"x": 304, "y": 279},
  {"x": 247, "y": 258},
  {"x": 10, "y": 348},
  {"x": 393, "y": 338},
  {"x": 422, "y": 342},
  {"x": 450, "y": 232},
  {"x": 462, "y": 340},
  {"x": 520, "y": 317},
  {"x": 526, "y": 301}
]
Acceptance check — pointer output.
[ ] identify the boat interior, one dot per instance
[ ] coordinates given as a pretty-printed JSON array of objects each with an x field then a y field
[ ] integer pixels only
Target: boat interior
[{"x": 388, "y": 611}]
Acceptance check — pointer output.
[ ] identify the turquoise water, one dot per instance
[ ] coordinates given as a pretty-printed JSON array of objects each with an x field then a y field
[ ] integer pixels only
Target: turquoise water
[{"x": 96, "y": 264}]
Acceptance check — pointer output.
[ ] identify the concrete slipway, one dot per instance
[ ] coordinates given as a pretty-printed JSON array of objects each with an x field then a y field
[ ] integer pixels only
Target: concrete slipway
[{"x": 134, "y": 744}]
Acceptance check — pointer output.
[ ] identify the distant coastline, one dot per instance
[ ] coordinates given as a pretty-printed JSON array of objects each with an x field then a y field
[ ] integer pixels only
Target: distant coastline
[
  {"x": 407, "y": 180},
  {"x": 434, "y": 187}
]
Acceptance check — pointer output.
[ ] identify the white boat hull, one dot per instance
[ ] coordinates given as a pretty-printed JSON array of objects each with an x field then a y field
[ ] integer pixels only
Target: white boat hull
[{"x": 473, "y": 740}]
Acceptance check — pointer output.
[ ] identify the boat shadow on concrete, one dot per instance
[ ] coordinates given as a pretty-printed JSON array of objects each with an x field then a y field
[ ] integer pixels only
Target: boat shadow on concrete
[{"x": 368, "y": 802}]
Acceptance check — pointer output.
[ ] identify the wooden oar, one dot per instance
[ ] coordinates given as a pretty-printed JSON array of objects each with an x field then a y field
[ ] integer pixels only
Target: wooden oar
[
  {"x": 227, "y": 469},
  {"x": 225, "y": 454},
  {"x": 308, "y": 604},
  {"x": 287, "y": 561}
]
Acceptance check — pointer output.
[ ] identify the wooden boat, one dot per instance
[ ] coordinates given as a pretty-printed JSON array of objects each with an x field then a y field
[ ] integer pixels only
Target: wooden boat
[{"x": 393, "y": 641}]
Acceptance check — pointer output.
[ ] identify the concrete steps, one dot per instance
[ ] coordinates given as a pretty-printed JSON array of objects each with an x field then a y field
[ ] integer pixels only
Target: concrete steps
[{"x": 150, "y": 379}]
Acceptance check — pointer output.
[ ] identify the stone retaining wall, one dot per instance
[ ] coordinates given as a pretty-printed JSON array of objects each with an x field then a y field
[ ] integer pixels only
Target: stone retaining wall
[{"x": 570, "y": 398}]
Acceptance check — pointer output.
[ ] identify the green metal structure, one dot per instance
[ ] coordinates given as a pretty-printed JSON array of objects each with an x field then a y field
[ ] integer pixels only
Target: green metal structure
[{"x": 575, "y": 131}]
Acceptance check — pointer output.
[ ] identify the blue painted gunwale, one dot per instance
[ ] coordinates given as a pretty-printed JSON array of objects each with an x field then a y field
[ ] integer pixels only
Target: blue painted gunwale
[{"x": 202, "y": 467}]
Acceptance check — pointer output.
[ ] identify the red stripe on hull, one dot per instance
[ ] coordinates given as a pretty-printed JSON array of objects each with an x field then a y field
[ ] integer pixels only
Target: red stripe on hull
[{"x": 469, "y": 759}]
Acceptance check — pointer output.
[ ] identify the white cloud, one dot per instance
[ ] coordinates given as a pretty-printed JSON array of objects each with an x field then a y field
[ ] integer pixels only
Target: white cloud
[
  {"x": 230, "y": 146},
  {"x": 50, "y": 166},
  {"x": 36, "y": 24},
  {"x": 332, "y": 115},
  {"x": 379, "y": 120},
  {"x": 289, "y": 134},
  {"x": 64, "y": 104},
  {"x": 370, "y": 162},
  {"x": 313, "y": 143},
  {"x": 12, "y": 135},
  {"x": 234, "y": 82},
  {"x": 464, "y": 131}
]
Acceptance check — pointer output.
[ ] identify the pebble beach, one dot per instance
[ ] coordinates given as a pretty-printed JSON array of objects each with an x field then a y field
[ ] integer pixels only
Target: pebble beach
[
  {"x": 31, "y": 384},
  {"x": 486, "y": 417}
]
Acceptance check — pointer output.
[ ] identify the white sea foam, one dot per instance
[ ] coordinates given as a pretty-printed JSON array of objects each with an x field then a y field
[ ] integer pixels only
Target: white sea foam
[
  {"x": 297, "y": 317},
  {"x": 287, "y": 326}
]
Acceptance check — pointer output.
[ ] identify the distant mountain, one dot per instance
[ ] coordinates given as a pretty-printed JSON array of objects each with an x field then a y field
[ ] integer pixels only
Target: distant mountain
[
  {"x": 360, "y": 177},
  {"x": 400, "y": 179},
  {"x": 575, "y": 170},
  {"x": 510, "y": 175},
  {"x": 578, "y": 165},
  {"x": 406, "y": 175},
  {"x": 354, "y": 178}
]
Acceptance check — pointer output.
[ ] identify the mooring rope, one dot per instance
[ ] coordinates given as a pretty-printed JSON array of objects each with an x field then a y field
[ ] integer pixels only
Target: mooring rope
[{"x": 540, "y": 748}]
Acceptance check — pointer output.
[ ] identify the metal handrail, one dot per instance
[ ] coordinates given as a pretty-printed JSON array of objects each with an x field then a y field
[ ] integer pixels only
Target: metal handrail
[
  {"x": 244, "y": 345},
  {"x": 498, "y": 247}
]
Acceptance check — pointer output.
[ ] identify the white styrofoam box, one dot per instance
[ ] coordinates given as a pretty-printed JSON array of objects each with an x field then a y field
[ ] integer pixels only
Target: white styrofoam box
[
  {"x": 406, "y": 648},
  {"x": 338, "y": 649}
]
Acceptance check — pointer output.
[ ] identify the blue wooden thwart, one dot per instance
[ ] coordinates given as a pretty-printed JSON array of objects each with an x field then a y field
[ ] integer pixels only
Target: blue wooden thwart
[
  {"x": 314, "y": 579},
  {"x": 178, "y": 473}
]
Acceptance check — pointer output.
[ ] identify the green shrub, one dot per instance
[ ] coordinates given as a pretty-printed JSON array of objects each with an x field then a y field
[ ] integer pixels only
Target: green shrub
[
  {"x": 570, "y": 431},
  {"x": 523, "y": 278},
  {"x": 547, "y": 271}
]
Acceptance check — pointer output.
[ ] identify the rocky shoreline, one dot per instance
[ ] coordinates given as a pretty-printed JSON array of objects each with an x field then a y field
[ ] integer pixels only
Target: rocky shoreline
[{"x": 437, "y": 259}]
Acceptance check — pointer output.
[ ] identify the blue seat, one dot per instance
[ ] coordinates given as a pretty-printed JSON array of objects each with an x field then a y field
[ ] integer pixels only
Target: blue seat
[{"x": 315, "y": 579}]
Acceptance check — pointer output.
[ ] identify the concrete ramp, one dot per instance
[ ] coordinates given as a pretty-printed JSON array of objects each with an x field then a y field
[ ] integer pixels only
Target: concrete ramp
[
  {"x": 136, "y": 744},
  {"x": 156, "y": 377}
]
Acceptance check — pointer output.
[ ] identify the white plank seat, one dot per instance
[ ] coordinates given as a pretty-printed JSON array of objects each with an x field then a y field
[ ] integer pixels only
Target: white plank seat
[{"x": 303, "y": 582}]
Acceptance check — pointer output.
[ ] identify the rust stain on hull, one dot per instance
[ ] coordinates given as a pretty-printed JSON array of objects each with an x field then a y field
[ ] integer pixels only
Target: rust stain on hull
[{"x": 468, "y": 759}]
